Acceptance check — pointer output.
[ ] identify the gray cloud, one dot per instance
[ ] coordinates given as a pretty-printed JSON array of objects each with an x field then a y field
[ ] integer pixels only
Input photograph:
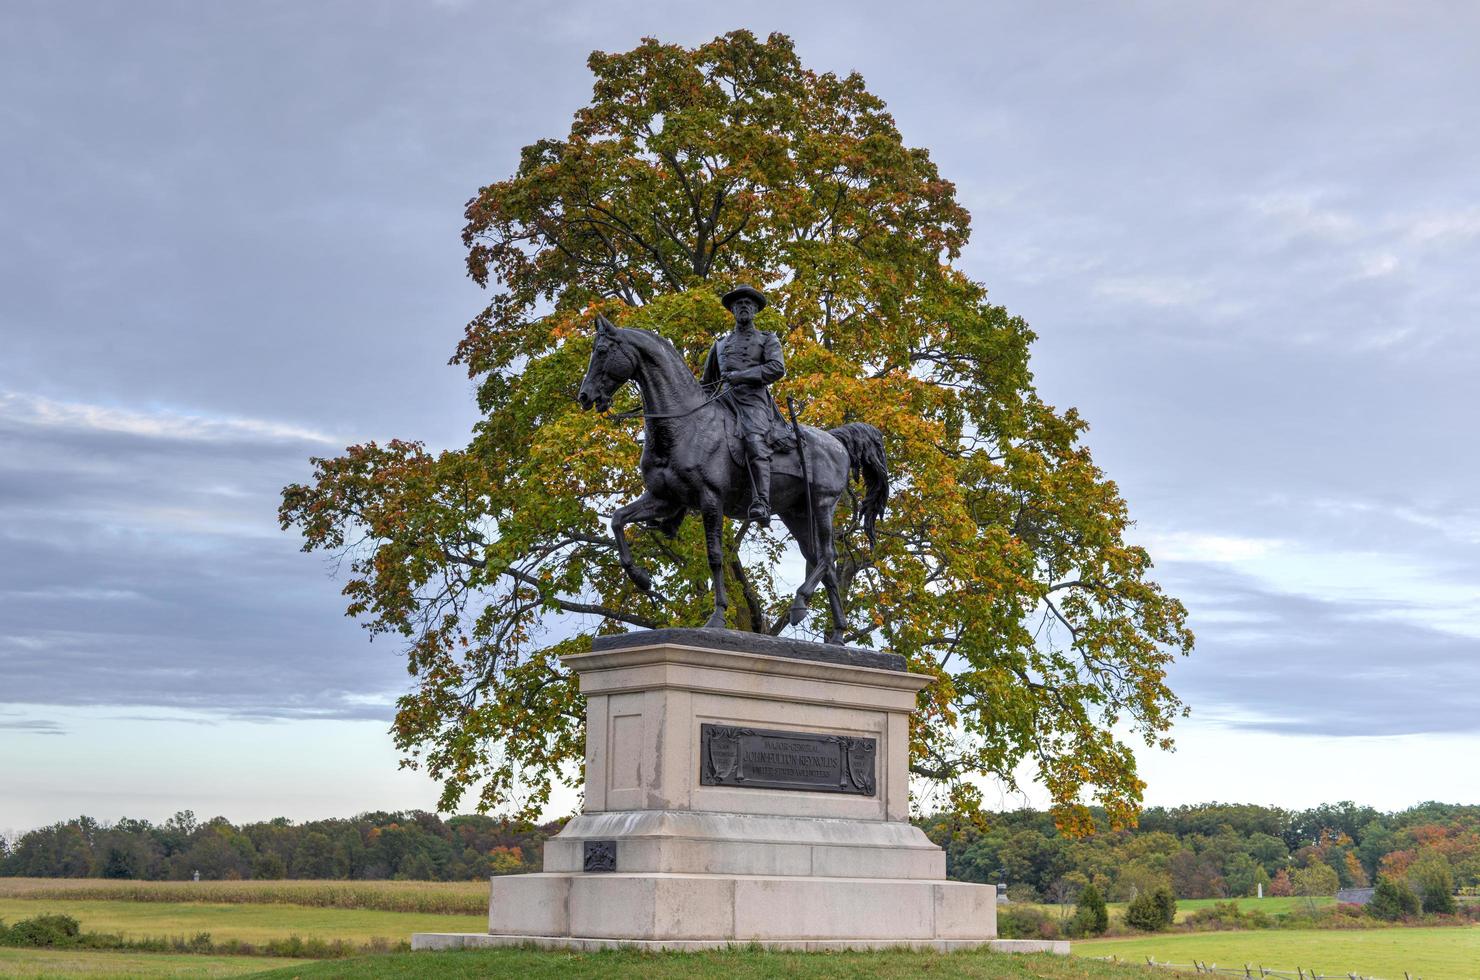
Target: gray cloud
[
  {"x": 1245, "y": 234},
  {"x": 1274, "y": 661},
  {"x": 144, "y": 567},
  {"x": 32, "y": 726}
]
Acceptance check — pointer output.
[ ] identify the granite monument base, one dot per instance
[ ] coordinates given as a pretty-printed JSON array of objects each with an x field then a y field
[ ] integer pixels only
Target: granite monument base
[{"x": 741, "y": 789}]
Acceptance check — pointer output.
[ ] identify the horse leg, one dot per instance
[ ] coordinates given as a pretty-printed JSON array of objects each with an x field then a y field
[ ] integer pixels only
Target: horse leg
[
  {"x": 714, "y": 520},
  {"x": 828, "y": 564},
  {"x": 797, "y": 525},
  {"x": 644, "y": 508}
]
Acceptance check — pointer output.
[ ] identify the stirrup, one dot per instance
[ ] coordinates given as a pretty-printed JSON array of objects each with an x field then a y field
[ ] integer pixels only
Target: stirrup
[{"x": 760, "y": 514}]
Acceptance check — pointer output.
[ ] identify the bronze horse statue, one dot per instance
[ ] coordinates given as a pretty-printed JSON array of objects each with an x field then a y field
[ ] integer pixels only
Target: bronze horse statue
[{"x": 688, "y": 464}]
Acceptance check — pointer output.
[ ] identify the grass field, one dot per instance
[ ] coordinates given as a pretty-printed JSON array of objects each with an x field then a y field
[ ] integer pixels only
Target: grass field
[
  {"x": 742, "y": 964},
  {"x": 1435, "y": 954},
  {"x": 248, "y": 923},
  {"x": 51, "y": 963},
  {"x": 257, "y": 912},
  {"x": 359, "y": 913},
  {"x": 364, "y": 912}
]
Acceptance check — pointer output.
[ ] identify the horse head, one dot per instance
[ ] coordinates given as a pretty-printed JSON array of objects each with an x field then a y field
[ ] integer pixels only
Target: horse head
[{"x": 612, "y": 365}]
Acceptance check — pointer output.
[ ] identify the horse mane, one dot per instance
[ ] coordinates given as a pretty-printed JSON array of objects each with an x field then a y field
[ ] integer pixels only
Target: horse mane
[{"x": 657, "y": 348}]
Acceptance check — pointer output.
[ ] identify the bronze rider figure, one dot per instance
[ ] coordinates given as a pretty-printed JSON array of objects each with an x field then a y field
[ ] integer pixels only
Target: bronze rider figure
[{"x": 749, "y": 361}]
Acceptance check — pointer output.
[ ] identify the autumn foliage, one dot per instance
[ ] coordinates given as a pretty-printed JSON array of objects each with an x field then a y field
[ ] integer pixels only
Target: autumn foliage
[{"x": 1002, "y": 568}]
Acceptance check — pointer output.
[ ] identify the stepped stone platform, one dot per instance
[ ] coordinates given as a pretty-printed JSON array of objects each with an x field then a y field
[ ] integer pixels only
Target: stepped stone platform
[{"x": 741, "y": 789}]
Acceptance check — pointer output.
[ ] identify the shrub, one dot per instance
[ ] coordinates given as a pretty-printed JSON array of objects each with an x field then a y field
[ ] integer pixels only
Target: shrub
[
  {"x": 43, "y": 930},
  {"x": 1166, "y": 905},
  {"x": 1434, "y": 882},
  {"x": 1142, "y": 914},
  {"x": 1151, "y": 911},
  {"x": 1392, "y": 900},
  {"x": 1228, "y": 915},
  {"x": 1091, "y": 918},
  {"x": 1016, "y": 921}
]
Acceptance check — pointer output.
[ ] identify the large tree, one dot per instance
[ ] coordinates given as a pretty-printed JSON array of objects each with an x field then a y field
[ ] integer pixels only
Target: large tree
[{"x": 1001, "y": 569}]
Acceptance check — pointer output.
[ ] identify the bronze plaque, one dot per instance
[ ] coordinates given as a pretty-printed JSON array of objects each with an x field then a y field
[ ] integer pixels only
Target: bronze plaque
[
  {"x": 600, "y": 856},
  {"x": 765, "y": 759}
]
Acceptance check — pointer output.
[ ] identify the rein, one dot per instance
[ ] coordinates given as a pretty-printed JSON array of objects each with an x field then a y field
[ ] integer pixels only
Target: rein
[{"x": 644, "y": 413}]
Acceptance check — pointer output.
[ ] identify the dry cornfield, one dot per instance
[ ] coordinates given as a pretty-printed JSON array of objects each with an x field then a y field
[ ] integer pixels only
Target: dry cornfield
[{"x": 436, "y": 897}]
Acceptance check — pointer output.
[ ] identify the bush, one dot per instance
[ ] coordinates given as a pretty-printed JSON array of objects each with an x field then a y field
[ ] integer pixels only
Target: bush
[
  {"x": 43, "y": 930},
  {"x": 1228, "y": 915},
  {"x": 1434, "y": 882},
  {"x": 1166, "y": 905},
  {"x": 1142, "y": 913},
  {"x": 1025, "y": 922},
  {"x": 1345, "y": 914},
  {"x": 1091, "y": 918},
  {"x": 1392, "y": 900},
  {"x": 1152, "y": 911}
]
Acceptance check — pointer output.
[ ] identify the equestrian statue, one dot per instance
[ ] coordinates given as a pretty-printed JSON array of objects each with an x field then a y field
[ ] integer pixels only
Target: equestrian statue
[{"x": 720, "y": 447}]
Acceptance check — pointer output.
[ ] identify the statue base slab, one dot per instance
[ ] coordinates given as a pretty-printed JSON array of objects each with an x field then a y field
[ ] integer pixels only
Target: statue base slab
[
  {"x": 686, "y": 842},
  {"x": 738, "y": 796},
  {"x": 723, "y": 909}
]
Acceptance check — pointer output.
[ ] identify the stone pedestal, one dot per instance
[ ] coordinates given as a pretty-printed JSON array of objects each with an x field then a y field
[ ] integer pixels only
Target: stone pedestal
[{"x": 740, "y": 789}]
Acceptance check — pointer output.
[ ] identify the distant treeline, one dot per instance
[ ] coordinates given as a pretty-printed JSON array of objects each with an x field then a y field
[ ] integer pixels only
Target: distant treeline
[
  {"x": 1219, "y": 850},
  {"x": 1206, "y": 851},
  {"x": 414, "y": 845}
]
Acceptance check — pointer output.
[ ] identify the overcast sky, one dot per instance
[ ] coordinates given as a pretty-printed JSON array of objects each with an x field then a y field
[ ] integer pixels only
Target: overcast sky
[{"x": 1247, "y": 236}]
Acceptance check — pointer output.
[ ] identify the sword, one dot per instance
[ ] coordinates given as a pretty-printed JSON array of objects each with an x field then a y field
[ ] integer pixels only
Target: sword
[{"x": 791, "y": 409}]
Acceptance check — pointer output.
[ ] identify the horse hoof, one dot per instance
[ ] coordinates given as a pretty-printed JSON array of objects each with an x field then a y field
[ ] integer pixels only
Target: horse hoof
[
  {"x": 716, "y": 620},
  {"x": 835, "y": 639},
  {"x": 640, "y": 578},
  {"x": 798, "y": 611}
]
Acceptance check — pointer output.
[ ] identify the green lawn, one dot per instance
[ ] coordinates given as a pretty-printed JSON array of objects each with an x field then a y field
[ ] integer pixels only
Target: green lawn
[
  {"x": 743, "y": 964},
  {"x": 1435, "y": 953},
  {"x": 248, "y": 923},
  {"x": 52, "y": 963}
]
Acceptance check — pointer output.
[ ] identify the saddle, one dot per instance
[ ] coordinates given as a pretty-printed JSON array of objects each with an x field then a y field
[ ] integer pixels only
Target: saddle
[{"x": 783, "y": 443}]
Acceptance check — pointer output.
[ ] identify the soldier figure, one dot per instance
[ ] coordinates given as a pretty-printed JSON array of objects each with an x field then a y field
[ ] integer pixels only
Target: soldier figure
[{"x": 748, "y": 360}]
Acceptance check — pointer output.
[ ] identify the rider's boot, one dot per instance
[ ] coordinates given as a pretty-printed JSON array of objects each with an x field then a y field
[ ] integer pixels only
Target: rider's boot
[{"x": 760, "y": 481}]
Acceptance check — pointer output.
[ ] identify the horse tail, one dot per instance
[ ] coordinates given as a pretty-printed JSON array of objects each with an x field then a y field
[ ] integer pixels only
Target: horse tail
[{"x": 865, "y": 445}]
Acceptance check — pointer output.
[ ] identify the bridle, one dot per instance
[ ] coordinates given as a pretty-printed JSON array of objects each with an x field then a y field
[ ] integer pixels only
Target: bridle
[{"x": 721, "y": 389}]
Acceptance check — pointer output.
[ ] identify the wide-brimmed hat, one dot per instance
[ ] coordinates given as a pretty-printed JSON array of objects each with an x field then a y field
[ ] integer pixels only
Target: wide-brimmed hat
[{"x": 744, "y": 292}]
